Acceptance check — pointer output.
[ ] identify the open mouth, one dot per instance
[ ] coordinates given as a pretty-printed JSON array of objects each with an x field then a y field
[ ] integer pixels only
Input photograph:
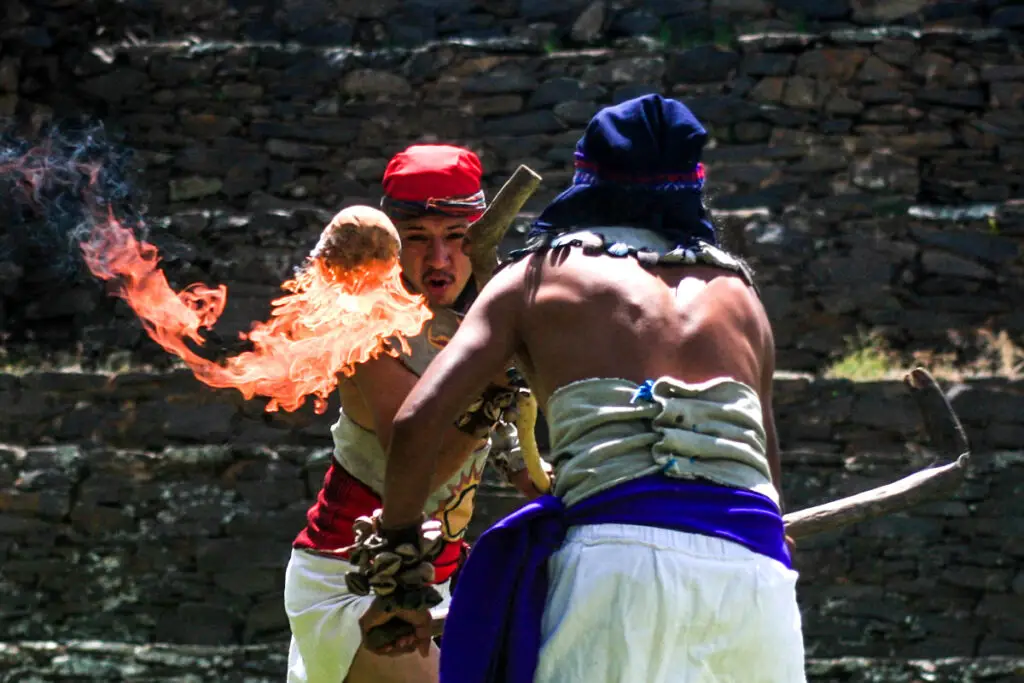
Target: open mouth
[{"x": 437, "y": 285}]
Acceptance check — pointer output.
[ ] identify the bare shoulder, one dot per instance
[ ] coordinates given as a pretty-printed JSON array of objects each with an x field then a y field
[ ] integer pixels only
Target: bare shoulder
[
  {"x": 381, "y": 384},
  {"x": 384, "y": 374},
  {"x": 508, "y": 283},
  {"x": 756, "y": 315},
  {"x": 736, "y": 285},
  {"x": 515, "y": 271},
  {"x": 735, "y": 296}
]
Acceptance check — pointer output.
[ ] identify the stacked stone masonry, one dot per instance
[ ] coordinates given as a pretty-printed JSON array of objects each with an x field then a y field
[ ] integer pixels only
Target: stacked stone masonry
[
  {"x": 143, "y": 532},
  {"x": 870, "y": 174},
  {"x": 866, "y": 158},
  {"x": 115, "y": 662},
  {"x": 409, "y": 23}
]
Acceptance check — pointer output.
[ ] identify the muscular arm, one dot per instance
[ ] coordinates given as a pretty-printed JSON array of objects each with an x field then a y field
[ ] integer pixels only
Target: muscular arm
[
  {"x": 479, "y": 350},
  {"x": 383, "y": 384}
]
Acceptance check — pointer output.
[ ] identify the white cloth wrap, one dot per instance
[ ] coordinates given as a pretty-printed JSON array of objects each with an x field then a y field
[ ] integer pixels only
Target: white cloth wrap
[
  {"x": 634, "y": 604},
  {"x": 324, "y": 618}
]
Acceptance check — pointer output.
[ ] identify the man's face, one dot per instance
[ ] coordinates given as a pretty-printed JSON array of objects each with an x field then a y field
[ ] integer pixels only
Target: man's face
[{"x": 432, "y": 257}]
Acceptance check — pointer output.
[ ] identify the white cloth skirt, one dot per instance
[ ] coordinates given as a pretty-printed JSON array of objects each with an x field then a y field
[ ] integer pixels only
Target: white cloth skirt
[
  {"x": 634, "y": 604},
  {"x": 324, "y": 618}
]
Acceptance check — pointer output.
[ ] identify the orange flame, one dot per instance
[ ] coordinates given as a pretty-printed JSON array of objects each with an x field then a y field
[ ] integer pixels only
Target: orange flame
[{"x": 329, "y": 321}]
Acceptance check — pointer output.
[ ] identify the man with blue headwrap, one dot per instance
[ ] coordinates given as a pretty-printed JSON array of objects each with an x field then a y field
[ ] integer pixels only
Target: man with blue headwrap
[{"x": 661, "y": 555}]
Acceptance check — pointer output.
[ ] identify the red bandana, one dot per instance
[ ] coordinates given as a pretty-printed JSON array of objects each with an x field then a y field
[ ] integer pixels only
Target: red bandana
[{"x": 433, "y": 179}]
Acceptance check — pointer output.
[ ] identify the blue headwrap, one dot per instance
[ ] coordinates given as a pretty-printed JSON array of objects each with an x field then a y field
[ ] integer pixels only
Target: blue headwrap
[{"x": 638, "y": 165}]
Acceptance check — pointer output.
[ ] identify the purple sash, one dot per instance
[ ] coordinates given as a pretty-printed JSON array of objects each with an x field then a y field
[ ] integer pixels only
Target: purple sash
[{"x": 493, "y": 632}]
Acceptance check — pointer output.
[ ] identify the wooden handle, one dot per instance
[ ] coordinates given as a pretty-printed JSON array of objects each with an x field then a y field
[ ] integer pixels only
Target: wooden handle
[
  {"x": 948, "y": 438},
  {"x": 486, "y": 234},
  {"x": 899, "y": 495}
]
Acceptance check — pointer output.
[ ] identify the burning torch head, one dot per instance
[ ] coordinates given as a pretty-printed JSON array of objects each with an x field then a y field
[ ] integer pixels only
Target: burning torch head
[{"x": 356, "y": 237}]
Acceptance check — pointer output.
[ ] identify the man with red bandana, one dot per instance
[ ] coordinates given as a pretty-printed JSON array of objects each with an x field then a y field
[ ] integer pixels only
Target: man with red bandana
[{"x": 431, "y": 193}]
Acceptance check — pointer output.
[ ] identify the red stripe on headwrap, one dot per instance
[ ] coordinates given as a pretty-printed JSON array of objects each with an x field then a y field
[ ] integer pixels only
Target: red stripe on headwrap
[{"x": 694, "y": 176}]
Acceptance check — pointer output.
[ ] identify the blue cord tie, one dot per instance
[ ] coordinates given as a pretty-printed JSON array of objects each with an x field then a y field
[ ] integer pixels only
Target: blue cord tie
[{"x": 643, "y": 392}]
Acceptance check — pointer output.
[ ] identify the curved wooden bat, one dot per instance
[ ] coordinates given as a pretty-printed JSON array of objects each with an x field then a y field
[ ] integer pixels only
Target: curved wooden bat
[
  {"x": 947, "y": 437},
  {"x": 485, "y": 235}
]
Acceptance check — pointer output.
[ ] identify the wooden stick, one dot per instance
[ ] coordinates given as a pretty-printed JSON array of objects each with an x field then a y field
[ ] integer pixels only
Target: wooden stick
[
  {"x": 485, "y": 235},
  {"x": 899, "y": 495},
  {"x": 941, "y": 423},
  {"x": 948, "y": 438}
]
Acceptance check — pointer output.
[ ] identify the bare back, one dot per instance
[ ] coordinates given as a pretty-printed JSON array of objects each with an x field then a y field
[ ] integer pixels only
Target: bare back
[
  {"x": 592, "y": 316},
  {"x": 565, "y": 315}
]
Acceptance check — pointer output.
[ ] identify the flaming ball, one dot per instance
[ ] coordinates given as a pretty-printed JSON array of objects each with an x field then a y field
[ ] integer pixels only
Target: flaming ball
[
  {"x": 356, "y": 236},
  {"x": 345, "y": 306}
]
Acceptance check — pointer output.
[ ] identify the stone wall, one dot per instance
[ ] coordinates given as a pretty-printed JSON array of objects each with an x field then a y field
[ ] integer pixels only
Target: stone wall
[
  {"x": 868, "y": 173},
  {"x": 114, "y": 662},
  {"x": 865, "y": 158},
  {"x": 290, "y": 122},
  {"x": 151, "y": 411},
  {"x": 119, "y": 520},
  {"x": 413, "y": 22}
]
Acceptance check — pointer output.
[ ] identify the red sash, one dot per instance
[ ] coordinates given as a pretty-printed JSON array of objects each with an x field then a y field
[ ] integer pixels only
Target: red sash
[{"x": 341, "y": 500}]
